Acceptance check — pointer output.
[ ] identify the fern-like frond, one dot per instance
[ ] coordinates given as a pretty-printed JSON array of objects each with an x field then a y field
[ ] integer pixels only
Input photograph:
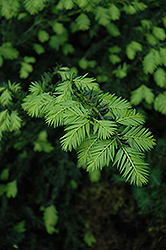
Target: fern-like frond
[
  {"x": 83, "y": 151},
  {"x": 8, "y": 52},
  {"x": 130, "y": 117},
  {"x": 132, "y": 166},
  {"x": 115, "y": 103},
  {"x": 9, "y": 9},
  {"x": 85, "y": 84},
  {"x": 64, "y": 91},
  {"x": 34, "y": 6},
  {"x": 160, "y": 103},
  {"x": 151, "y": 61},
  {"x": 14, "y": 87},
  {"x": 15, "y": 121},
  {"x": 101, "y": 154},
  {"x": 140, "y": 94},
  {"x": 104, "y": 129},
  {"x": 140, "y": 138},
  {"x": 5, "y": 121},
  {"x": 55, "y": 112},
  {"x": 36, "y": 88},
  {"x": 6, "y": 97},
  {"x": 75, "y": 113},
  {"x": 75, "y": 135},
  {"x": 35, "y": 105}
]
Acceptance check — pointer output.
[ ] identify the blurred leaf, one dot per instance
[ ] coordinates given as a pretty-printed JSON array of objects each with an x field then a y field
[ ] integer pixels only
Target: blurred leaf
[
  {"x": 20, "y": 227},
  {"x": 129, "y": 9},
  {"x": 8, "y": 52},
  {"x": 132, "y": 48},
  {"x": 89, "y": 238},
  {"x": 114, "y": 12},
  {"x": 160, "y": 77},
  {"x": 113, "y": 29},
  {"x": 4, "y": 175},
  {"x": 121, "y": 71},
  {"x": 74, "y": 184},
  {"x": 159, "y": 33},
  {"x": 38, "y": 48},
  {"x": 11, "y": 189},
  {"x": 151, "y": 61},
  {"x": 142, "y": 93},
  {"x": 114, "y": 59},
  {"x": 102, "y": 15},
  {"x": 2, "y": 189},
  {"x": 43, "y": 36},
  {"x": 68, "y": 49},
  {"x": 83, "y": 22},
  {"x": 95, "y": 175},
  {"x": 50, "y": 219},
  {"x": 42, "y": 144},
  {"x": 160, "y": 103}
]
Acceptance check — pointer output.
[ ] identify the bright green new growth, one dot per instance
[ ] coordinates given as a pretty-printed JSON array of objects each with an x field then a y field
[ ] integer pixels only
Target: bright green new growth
[{"x": 102, "y": 128}]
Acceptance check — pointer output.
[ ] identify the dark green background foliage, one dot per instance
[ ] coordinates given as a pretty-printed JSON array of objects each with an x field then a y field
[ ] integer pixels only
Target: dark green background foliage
[{"x": 46, "y": 201}]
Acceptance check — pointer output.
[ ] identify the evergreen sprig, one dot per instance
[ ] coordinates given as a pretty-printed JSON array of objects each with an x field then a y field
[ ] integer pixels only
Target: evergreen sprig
[{"x": 102, "y": 128}]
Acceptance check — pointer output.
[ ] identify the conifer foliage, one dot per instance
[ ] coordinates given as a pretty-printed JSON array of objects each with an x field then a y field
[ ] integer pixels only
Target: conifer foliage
[{"x": 102, "y": 128}]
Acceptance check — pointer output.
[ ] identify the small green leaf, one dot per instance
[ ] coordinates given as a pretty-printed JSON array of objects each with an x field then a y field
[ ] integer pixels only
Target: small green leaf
[
  {"x": 83, "y": 22},
  {"x": 151, "y": 39},
  {"x": 146, "y": 23},
  {"x": 74, "y": 184},
  {"x": 102, "y": 15},
  {"x": 29, "y": 59},
  {"x": 20, "y": 227},
  {"x": 5, "y": 174},
  {"x": 132, "y": 48},
  {"x": 8, "y": 52},
  {"x": 33, "y": 7},
  {"x": 43, "y": 36},
  {"x": 22, "y": 15},
  {"x": 114, "y": 59},
  {"x": 95, "y": 175},
  {"x": 15, "y": 246},
  {"x": 160, "y": 77},
  {"x": 11, "y": 189},
  {"x": 163, "y": 56},
  {"x": 50, "y": 217},
  {"x": 129, "y": 9},
  {"x": 159, "y": 33},
  {"x": 140, "y": 94},
  {"x": 139, "y": 6},
  {"x": 25, "y": 70},
  {"x": 82, "y": 3},
  {"x": 84, "y": 63},
  {"x": 121, "y": 71},
  {"x": 65, "y": 4},
  {"x": 89, "y": 238},
  {"x": 151, "y": 61},
  {"x": 10, "y": 9},
  {"x": 58, "y": 28},
  {"x": 115, "y": 49},
  {"x": 2, "y": 189},
  {"x": 38, "y": 48},
  {"x": 113, "y": 29},
  {"x": 160, "y": 103},
  {"x": 68, "y": 49},
  {"x": 114, "y": 12},
  {"x": 42, "y": 144}
]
